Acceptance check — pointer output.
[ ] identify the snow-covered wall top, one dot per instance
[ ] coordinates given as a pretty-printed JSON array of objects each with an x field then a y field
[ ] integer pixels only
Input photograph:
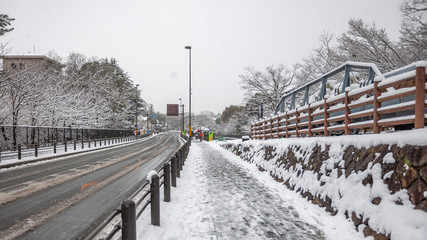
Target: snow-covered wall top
[{"x": 379, "y": 181}]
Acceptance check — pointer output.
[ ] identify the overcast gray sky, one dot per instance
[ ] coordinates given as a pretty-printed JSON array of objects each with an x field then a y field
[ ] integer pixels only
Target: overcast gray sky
[{"x": 148, "y": 38}]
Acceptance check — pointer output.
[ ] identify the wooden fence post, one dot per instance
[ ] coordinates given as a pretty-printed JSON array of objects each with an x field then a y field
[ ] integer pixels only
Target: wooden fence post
[
  {"x": 271, "y": 128},
  {"x": 347, "y": 112},
  {"x": 310, "y": 119},
  {"x": 265, "y": 128},
  {"x": 377, "y": 105},
  {"x": 278, "y": 126},
  {"x": 326, "y": 116},
  {"x": 287, "y": 124},
  {"x": 420, "y": 91},
  {"x": 296, "y": 123}
]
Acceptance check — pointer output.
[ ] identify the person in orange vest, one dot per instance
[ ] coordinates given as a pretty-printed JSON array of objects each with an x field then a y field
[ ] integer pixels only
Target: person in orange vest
[{"x": 201, "y": 136}]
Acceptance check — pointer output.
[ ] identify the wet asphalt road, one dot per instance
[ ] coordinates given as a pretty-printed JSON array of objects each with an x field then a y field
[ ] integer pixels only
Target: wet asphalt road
[{"x": 66, "y": 198}]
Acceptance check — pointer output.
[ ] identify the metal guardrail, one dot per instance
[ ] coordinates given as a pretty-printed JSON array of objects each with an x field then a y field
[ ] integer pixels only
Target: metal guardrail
[
  {"x": 148, "y": 194},
  {"x": 300, "y": 96},
  {"x": 17, "y": 141},
  {"x": 66, "y": 147},
  {"x": 29, "y": 136}
]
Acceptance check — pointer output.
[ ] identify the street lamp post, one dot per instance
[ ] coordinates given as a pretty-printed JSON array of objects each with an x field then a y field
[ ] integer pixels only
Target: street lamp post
[
  {"x": 182, "y": 124},
  {"x": 189, "y": 106}
]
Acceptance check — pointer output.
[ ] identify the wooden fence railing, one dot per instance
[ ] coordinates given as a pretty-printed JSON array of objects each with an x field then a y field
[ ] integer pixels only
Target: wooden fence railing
[{"x": 370, "y": 108}]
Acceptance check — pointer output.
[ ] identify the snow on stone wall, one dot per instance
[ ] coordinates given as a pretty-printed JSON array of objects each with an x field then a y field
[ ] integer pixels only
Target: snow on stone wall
[{"x": 378, "y": 181}]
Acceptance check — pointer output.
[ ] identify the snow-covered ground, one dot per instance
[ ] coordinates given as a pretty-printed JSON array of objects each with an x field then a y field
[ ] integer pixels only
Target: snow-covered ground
[
  {"x": 219, "y": 196},
  {"x": 349, "y": 193}
]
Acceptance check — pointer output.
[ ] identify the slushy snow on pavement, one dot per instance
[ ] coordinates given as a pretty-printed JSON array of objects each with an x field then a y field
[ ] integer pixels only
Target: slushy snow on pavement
[{"x": 219, "y": 196}]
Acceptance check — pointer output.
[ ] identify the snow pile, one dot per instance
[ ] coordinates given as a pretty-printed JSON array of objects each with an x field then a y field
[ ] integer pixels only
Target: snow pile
[
  {"x": 351, "y": 194},
  {"x": 150, "y": 175}
]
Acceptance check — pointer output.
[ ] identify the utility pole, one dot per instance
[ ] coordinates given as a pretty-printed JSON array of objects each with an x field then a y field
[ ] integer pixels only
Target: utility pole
[{"x": 182, "y": 120}]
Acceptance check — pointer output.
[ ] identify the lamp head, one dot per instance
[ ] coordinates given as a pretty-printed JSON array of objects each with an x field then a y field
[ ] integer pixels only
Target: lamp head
[{"x": 188, "y": 47}]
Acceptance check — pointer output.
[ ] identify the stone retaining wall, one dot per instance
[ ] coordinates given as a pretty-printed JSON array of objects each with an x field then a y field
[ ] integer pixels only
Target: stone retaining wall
[{"x": 362, "y": 183}]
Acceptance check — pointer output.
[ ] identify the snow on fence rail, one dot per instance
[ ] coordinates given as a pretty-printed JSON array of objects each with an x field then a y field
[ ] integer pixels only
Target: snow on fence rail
[
  {"x": 398, "y": 100},
  {"x": 147, "y": 194}
]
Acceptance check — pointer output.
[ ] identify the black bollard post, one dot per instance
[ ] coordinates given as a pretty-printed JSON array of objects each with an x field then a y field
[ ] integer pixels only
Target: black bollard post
[
  {"x": 83, "y": 144},
  {"x": 65, "y": 146},
  {"x": 183, "y": 157},
  {"x": 54, "y": 147},
  {"x": 75, "y": 144},
  {"x": 178, "y": 171},
  {"x": 36, "y": 151},
  {"x": 167, "y": 183},
  {"x": 89, "y": 144},
  {"x": 128, "y": 220},
  {"x": 19, "y": 151},
  {"x": 155, "y": 200},
  {"x": 179, "y": 157},
  {"x": 173, "y": 171},
  {"x": 94, "y": 142}
]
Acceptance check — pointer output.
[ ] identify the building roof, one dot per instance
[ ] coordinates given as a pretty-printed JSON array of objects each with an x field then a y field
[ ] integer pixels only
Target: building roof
[{"x": 42, "y": 57}]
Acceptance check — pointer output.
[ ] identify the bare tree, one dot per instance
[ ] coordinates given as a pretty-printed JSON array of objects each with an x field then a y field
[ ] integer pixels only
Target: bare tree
[
  {"x": 413, "y": 30},
  {"x": 321, "y": 60},
  {"x": 268, "y": 86},
  {"x": 365, "y": 43}
]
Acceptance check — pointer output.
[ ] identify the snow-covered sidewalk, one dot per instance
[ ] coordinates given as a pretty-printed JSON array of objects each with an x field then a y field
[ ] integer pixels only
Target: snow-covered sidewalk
[{"x": 221, "y": 197}]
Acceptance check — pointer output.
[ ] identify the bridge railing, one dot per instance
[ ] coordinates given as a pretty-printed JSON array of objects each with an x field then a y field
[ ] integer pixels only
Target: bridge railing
[
  {"x": 396, "y": 100},
  {"x": 121, "y": 222}
]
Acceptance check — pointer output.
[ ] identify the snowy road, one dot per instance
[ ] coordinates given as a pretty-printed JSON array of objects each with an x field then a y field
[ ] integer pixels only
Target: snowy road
[
  {"x": 61, "y": 199},
  {"x": 221, "y": 197}
]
